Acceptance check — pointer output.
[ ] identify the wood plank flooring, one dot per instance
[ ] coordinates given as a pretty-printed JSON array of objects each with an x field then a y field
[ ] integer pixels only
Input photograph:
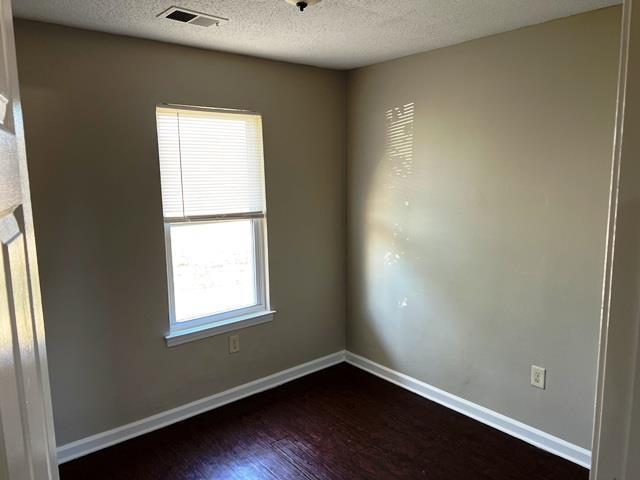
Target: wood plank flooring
[{"x": 340, "y": 423}]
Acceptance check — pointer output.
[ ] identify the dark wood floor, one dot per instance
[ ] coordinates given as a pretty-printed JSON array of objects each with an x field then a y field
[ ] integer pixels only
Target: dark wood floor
[{"x": 340, "y": 423}]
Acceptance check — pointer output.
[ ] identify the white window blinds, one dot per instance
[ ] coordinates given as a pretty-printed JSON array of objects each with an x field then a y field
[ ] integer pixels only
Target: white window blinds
[{"x": 211, "y": 162}]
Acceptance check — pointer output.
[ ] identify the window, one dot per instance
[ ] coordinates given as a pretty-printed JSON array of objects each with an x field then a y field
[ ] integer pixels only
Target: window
[{"x": 212, "y": 175}]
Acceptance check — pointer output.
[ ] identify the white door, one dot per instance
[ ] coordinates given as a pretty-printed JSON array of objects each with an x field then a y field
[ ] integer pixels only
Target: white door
[{"x": 27, "y": 445}]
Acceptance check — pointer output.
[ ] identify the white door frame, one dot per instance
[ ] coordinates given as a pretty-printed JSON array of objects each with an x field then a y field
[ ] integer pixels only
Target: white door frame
[{"x": 617, "y": 422}]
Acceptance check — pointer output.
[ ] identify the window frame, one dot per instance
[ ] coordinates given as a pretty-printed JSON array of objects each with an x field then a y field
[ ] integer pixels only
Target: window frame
[{"x": 222, "y": 322}]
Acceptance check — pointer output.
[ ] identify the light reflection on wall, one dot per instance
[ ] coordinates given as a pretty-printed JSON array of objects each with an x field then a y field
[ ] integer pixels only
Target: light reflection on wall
[
  {"x": 399, "y": 141},
  {"x": 386, "y": 259},
  {"x": 389, "y": 220},
  {"x": 399, "y": 155}
]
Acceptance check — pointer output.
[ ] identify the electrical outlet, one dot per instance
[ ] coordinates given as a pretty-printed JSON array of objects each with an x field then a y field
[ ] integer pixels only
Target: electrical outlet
[
  {"x": 538, "y": 377},
  {"x": 234, "y": 343}
]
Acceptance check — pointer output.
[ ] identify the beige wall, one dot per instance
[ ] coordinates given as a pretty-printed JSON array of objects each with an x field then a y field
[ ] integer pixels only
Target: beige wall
[
  {"x": 89, "y": 104},
  {"x": 478, "y": 249}
]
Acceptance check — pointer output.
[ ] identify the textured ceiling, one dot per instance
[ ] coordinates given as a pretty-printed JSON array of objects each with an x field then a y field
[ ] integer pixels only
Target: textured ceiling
[{"x": 339, "y": 34}]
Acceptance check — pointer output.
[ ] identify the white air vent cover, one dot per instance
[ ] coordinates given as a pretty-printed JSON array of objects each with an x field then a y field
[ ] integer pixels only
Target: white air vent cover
[{"x": 192, "y": 17}]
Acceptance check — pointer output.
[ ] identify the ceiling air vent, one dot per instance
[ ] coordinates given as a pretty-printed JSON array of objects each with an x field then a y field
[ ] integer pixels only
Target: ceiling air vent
[{"x": 191, "y": 17}]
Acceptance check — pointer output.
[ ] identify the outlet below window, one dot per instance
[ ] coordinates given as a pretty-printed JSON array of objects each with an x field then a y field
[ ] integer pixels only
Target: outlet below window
[{"x": 234, "y": 343}]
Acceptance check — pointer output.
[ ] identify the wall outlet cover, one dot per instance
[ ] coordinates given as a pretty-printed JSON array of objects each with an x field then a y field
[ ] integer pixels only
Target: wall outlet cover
[
  {"x": 538, "y": 377},
  {"x": 234, "y": 343}
]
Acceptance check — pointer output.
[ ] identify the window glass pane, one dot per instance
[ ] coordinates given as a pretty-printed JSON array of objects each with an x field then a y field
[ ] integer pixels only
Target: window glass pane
[{"x": 213, "y": 268}]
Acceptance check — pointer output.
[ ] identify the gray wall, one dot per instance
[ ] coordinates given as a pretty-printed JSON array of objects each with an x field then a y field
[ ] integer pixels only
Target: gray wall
[
  {"x": 478, "y": 250},
  {"x": 89, "y": 104}
]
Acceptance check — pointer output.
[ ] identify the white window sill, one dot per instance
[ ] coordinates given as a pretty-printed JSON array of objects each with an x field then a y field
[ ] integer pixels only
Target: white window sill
[{"x": 229, "y": 325}]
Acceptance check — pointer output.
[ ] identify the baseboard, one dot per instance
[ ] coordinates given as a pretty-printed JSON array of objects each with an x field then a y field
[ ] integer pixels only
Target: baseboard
[
  {"x": 517, "y": 429},
  {"x": 106, "y": 439},
  {"x": 496, "y": 420}
]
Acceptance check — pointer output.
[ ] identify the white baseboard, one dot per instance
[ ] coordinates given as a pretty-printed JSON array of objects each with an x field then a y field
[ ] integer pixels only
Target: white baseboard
[
  {"x": 496, "y": 420},
  {"x": 106, "y": 439},
  {"x": 517, "y": 429}
]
